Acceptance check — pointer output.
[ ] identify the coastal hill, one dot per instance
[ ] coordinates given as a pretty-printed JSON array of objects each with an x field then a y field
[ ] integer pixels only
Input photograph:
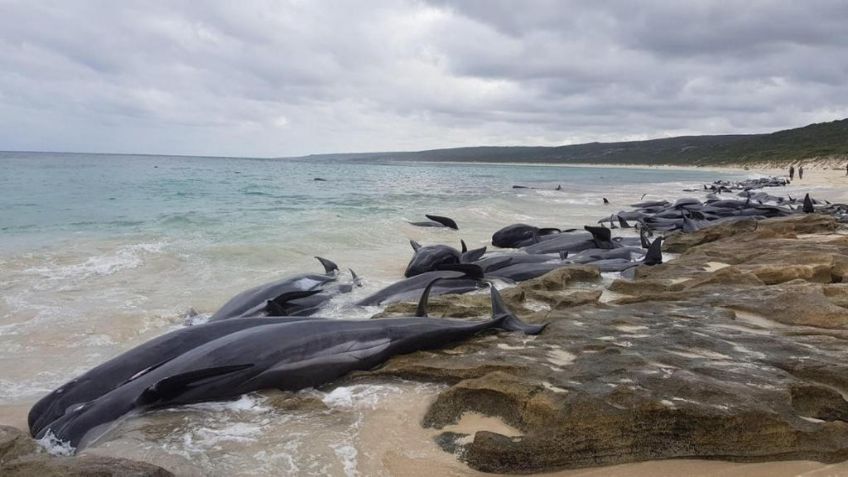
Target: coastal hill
[{"x": 821, "y": 141}]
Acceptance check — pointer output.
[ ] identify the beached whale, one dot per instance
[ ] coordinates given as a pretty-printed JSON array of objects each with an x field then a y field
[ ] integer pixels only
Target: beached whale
[
  {"x": 520, "y": 235},
  {"x": 520, "y": 272},
  {"x": 261, "y": 300},
  {"x": 573, "y": 242},
  {"x": 437, "y": 221},
  {"x": 117, "y": 371},
  {"x": 456, "y": 279},
  {"x": 431, "y": 257},
  {"x": 288, "y": 356}
]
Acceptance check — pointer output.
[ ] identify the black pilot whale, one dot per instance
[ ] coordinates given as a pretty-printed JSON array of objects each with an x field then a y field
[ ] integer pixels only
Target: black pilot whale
[
  {"x": 288, "y": 356},
  {"x": 281, "y": 295},
  {"x": 115, "y": 372}
]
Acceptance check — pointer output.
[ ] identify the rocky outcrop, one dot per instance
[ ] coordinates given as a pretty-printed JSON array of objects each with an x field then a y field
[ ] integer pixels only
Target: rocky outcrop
[
  {"x": 21, "y": 456},
  {"x": 779, "y": 227},
  {"x": 14, "y": 443},
  {"x": 734, "y": 351},
  {"x": 80, "y": 466}
]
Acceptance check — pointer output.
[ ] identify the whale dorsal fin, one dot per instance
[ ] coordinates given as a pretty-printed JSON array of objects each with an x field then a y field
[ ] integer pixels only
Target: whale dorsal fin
[
  {"x": 329, "y": 266},
  {"x": 446, "y": 221},
  {"x": 421, "y": 311},
  {"x": 464, "y": 247},
  {"x": 276, "y": 307},
  {"x": 472, "y": 255},
  {"x": 415, "y": 245},
  {"x": 173, "y": 386},
  {"x": 356, "y": 280}
]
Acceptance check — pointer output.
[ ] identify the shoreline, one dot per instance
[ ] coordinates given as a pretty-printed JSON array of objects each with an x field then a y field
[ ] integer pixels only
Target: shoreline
[
  {"x": 821, "y": 174},
  {"x": 818, "y": 179}
]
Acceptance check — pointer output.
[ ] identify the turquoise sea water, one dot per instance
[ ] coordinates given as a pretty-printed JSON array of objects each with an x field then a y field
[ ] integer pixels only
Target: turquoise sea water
[
  {"x": 47, "y": 198},
  {"x": 101, "y": 252}
]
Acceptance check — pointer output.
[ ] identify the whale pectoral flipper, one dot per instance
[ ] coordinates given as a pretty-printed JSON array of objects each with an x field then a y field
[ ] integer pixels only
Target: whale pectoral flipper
[
  {"x": 276, "y": 307},
  {"x": 329, "y": 265},
  {"x": 146, "y": 370},
  {"x": 177, "y": 384}
]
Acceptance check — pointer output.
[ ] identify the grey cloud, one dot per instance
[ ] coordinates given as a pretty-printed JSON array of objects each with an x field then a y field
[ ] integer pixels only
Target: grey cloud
[{"x": 277, "y": 78}]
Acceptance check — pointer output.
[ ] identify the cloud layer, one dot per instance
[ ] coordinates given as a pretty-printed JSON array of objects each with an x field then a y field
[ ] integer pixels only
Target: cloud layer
[{"x": 275, "y": 78}]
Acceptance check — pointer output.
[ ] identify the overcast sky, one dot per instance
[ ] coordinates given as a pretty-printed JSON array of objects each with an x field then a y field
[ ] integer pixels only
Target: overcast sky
[{"x": 278, "y": 78}]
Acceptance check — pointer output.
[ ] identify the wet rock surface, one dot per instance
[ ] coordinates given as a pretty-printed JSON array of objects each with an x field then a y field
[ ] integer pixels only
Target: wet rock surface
[
  {"x": 84, "y": 465},
  {"x": 21, "y": 456},
  {"x": 736, "y": 350},
  {"x": 14, "y": 443}
]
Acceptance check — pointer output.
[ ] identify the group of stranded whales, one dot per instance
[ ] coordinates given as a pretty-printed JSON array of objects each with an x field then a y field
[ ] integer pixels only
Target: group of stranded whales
[
  {"x": 225, "y": 359},
  {"x": 691, "y": 214},
  {"x": 266, "y": 337}
]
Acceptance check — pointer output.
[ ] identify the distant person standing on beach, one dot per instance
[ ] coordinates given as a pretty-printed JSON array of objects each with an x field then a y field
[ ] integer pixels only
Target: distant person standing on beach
[
  {"x": 792, "y": 172},
  {"x": 800, "y": 172},
  {"x": 846, "y": 169}
]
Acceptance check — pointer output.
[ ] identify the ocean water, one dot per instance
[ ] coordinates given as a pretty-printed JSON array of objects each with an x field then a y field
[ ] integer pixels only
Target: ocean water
[{"x": 101, "y": 252}]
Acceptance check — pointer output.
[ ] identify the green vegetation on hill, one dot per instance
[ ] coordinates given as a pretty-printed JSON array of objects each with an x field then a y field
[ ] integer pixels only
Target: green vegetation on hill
[{"x": 814, "y": 141}]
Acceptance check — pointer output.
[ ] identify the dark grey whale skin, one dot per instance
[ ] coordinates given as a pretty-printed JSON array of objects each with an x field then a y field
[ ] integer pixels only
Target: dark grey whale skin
[
  {"x": 252, "y": 302},
  {"x": 111, "y": 374},
  {"x": 428, "y": 258},
  {"x": 409, "y": 289},
  {"x": 288, "y": 356}
]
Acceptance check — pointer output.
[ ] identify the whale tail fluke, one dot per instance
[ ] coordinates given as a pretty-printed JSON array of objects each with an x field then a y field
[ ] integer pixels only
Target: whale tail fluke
[
  {"x": 507, "y": 320},
  {"x": 329, "y": 266},
  {"x": 654, "y": 255}
]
